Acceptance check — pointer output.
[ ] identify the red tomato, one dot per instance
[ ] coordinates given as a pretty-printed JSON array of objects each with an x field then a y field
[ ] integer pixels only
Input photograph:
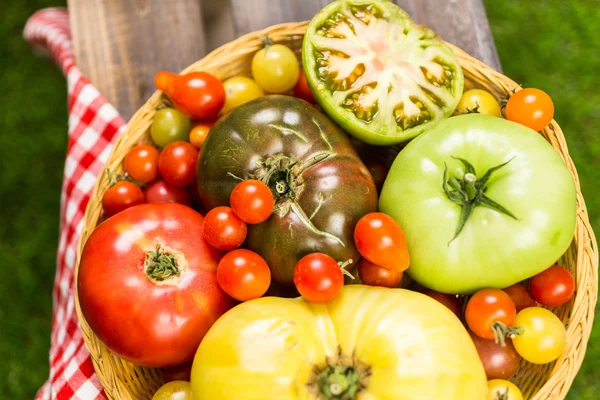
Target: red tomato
[
  {"x": 374, "y": 275},
  {"x": 252, "y": 201},
  {"x": 161, "y": 192},
  {"x": 302, "y": 90},
  {"x": 199, "y": 133},
  {"x": 141, "y": 163},
  {"x": 121, "y": 195},
  {"x": 553, "y": 287},
  {"x": 499, "y": 362},
  {"x": 151, "y": 305},
  {"x": 223, "y": 229},
  {"x": 197, "y": 94},
  {"x": 521, "y": 296},
  {"x": 489, "y": 313},
  {"x": 450, "y": 301},
  {"x": 530, "y": 107},
  {"x": 181, "y": 372},
  {"x": 318, "y": 278},
  {"x": 380, "y": 239},
  {"x": 177, "y": 163},
  {"x": 243, "y": 274}
]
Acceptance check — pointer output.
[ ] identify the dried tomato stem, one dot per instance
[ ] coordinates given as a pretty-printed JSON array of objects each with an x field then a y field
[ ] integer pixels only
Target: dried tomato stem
[{"x": 160, "y": 266}]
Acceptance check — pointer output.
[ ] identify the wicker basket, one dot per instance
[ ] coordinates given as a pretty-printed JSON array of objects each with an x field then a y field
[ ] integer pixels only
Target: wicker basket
[{"x": 124, "y": 381}]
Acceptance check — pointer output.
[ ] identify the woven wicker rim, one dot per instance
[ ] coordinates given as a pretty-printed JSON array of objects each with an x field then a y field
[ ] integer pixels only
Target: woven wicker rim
[{"x": 123, "y": 381}]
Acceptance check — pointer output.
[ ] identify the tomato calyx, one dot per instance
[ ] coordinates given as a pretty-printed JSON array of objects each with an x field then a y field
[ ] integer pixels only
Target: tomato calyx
[
  {"x": 340, "y": 378},
  {"x": 163, "y": 266},
  {"x": 469, "y": 192},
  {"x": 501, "y": 332}
]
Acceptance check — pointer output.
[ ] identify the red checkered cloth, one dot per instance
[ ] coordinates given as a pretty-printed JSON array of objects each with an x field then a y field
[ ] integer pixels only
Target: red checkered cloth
[{"x": 94, "y": 124}]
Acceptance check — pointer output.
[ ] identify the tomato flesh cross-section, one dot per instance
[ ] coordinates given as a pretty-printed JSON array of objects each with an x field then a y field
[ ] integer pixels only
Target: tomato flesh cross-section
[{"x": 380, "y": 76}]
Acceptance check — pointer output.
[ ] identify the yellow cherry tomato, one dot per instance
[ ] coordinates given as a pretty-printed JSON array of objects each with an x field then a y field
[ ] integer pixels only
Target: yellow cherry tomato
[
  {"x": 543, "y": 338},
  {"x": 275, "y": 68},
  {"x": 501, "y": 389},
  {"x": 239, "y": 90},
  {"x": 175, "y": 390},
  {"x": 386, "y": 341},
  {"x": 480, "y": 101}
]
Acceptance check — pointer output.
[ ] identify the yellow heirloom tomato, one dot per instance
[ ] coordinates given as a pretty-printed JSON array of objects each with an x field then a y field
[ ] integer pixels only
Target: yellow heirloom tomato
[{"x": 369, "y": 343}]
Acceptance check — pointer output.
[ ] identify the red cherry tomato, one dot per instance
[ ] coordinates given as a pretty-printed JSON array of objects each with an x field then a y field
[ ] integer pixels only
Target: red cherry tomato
[
  {"x": 553, "y": 287},
  {"x": 223, "y": 229},
  {"x": 197, "y": 94},
  {"x": 450, "y": 301},
  {"x": 177, "y": 163},
  {"x": 302, "y": 90},
  {"x": 243, "y": 274},
  {"x": 318, "y": 278},
  {"x": 379, "y": 239},
  {"x": 141, "y": 163},
  {"x": 121, "y": 195},
  {"x": 148, "y": 304},
  {"x": 181, "y": 372},
  {"x": 374, "y": 275},
  {"x": 252, "y": 201},
  {"x": 161, "y": 192},
  {"x": 521, "y": 296},
  {"x": 489, "y": 312},
  {"x": 530, "y": 107}
]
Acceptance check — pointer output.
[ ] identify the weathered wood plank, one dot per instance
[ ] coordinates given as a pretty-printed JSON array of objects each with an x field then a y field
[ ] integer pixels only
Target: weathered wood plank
[
  {"x": 252, "y": 15},
  {"x": 121, "y": 44},
  {"x": 461, "y": 22}
]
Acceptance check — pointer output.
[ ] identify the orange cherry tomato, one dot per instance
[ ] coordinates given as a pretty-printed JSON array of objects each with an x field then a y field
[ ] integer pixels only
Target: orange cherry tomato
[
  {"x": 243, "y": 274},
  {"x": 530, "y": 107},
  {"x": 252, "y": 201},
  {"x": 199, "y": 133}
]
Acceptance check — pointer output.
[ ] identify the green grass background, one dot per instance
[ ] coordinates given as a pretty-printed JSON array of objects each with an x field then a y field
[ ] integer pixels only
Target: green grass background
[{"x": 550, "y": 44}]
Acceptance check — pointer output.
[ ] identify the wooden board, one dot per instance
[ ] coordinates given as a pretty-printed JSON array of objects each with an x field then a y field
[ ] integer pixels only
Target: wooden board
[
  {"x": 461, "y": 22},
  {"x": 121, "y": 44}
]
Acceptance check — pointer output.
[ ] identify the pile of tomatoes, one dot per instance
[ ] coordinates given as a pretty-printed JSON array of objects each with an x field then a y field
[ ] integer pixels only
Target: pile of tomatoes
[{"x": 505, "y": 325}]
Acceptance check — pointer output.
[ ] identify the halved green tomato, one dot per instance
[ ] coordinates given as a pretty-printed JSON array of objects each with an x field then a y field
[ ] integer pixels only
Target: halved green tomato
[{"x": 380, "y": 76}]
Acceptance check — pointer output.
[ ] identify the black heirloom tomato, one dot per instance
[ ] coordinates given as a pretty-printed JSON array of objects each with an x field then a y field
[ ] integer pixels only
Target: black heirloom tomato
[{"x": 321, "y": 186}]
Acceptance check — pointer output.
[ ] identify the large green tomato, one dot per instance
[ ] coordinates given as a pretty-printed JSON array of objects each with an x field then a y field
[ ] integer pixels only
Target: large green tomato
[{"x": 484, "y": 202}]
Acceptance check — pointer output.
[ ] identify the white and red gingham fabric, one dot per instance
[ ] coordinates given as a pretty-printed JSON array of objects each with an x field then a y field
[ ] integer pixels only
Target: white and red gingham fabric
[{"x": 94, "y": 125}]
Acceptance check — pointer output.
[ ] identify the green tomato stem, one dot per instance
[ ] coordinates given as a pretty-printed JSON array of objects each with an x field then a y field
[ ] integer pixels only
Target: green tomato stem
[
  {"x": 469, "y": 193},
  {"x": 338, "y": 382},
  {"x": 160, "y": 266}
]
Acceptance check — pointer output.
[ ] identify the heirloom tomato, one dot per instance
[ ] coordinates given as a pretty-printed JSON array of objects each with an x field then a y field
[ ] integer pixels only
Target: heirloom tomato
[
  {"x": 147, "y": 284},
  {"x": 484, "y": 202},
  {"x": 368, "y": 343},
  {"x": 380, "y": 76},
  {"x": 320, "y": 185},
  {"x": 499, "y": 362}
]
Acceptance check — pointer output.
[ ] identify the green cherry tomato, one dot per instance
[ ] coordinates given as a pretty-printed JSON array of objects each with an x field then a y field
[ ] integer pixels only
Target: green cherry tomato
[
  {"x": 543, "y": 338},
  {"x": 275, "y": 68},
  {"x": 170, "y": 125},
  {"x": 175, "y": 390}
]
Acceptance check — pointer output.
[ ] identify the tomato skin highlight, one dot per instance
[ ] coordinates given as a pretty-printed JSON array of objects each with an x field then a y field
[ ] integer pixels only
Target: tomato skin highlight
[
  {"x": 161, "y": 192},
  {"x": 530, "y": 107},
  {"x": 553, "y": 287},
  {"x": 199, "y": 95},
  {"x": 318, "y": 278},
  {"x": 244, "y": 275},
  {"x": 374, "y": 275},
  {"x": 450, "y": 301},
  {"x": 141, "y": 163},
  {"x": 132, "y": 314},
  {"x": 252, "y": 201},
  {"x": 177, "y": 164},
  {"x": 223, "y": 229},
  {"x": 521, "y": 296},
  {"x": 120, "y": 196},
  {"x": 380, "y": 240},
  {"x": 485, "y": 308},
  {"x": 543, "y": 338}
]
